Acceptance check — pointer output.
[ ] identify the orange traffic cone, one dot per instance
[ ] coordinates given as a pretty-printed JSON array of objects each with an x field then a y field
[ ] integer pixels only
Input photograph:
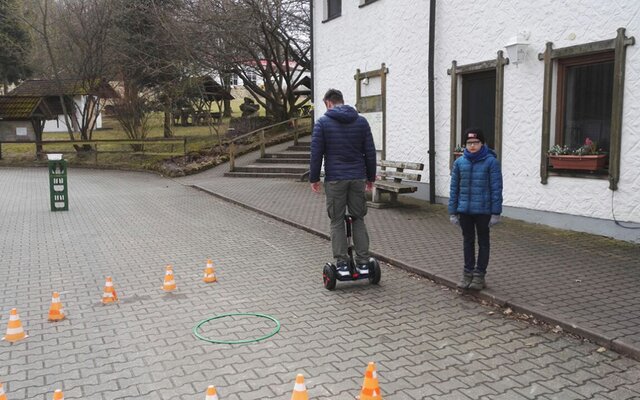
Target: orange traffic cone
[
  {"x": 211, "y": 393},
  {"x": 15, "y": 331},
  {"x": 370, "y": 389},
  {"x": 56, "y": 312},
  {"x": 58, "y": 395},
  {"x": 169, "y": 282},
  {"x": 2, "y": 395},
  {"x": 209, "y": 273},
  {"x": 299, "y": 389},
  {"x": 109, "y": 294}
]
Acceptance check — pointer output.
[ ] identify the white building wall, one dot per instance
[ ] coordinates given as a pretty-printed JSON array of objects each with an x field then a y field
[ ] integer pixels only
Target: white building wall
[
  {"x": 59, "y": 124},
  {"x": 396, "y": 32}
]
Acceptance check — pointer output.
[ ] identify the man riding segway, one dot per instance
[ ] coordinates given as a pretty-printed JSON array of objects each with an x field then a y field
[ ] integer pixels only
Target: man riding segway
[{"x": 343, "y": 139}]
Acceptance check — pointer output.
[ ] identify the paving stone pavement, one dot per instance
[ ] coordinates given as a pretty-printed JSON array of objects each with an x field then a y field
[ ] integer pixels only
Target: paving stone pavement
[
  {"x": 584, "y": 283},
  {"x": 428, "y": 341}
]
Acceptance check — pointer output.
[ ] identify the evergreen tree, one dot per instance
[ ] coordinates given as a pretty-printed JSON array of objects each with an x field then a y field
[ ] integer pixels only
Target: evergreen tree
[{"x": 15, "y": 44}]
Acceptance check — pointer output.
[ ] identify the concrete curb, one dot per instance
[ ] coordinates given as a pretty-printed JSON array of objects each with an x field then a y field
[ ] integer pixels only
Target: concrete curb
[{"x": 615, "y": 344}]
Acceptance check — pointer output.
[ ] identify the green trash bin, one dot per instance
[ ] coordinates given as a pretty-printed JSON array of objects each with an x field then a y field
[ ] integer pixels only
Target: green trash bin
[{"x": 58, "y": 183}]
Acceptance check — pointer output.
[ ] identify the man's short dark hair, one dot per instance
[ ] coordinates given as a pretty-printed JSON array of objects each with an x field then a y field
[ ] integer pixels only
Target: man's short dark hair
[{"x": 334, "y": 96}]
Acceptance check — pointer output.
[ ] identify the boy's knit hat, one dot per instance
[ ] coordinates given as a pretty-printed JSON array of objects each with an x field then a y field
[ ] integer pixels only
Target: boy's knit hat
[{"x": 474, "y": 133}]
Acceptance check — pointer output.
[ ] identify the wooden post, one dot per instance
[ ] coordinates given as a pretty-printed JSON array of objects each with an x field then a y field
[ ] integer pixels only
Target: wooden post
[
  {"x": 295, "y": 131},
  {"x": 621, "y": 41},
  {"x": 232, "y": 157},
  {"x": 383, "y": 94},
  {"x": 262, "y": 144}
]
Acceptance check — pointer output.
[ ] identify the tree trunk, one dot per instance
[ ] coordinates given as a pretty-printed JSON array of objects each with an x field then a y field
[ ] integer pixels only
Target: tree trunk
[
  {"x": 167, "y": 118},
  {"x": 226, "y": 84},
  {"x": 227, "y": 108},
  {"x": 38, "y": 127}
]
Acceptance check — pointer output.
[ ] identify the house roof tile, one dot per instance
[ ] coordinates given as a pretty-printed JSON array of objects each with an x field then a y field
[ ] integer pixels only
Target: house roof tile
[
  {"x": 23, "y": 108},
  {"x": 69, "y": 87}
]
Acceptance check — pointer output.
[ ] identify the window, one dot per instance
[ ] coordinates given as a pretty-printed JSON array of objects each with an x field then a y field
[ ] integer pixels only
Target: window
[
  {"x": 479, "y": 104},
  {"x": 589, "y": 101},
  {"x": 253, "y": 77},
  {"x": 333, "y": 9},
  {"x": 234, "y": 80},
  {"x": 585, "y": 89},
  {"x": 480, "y": 86}
]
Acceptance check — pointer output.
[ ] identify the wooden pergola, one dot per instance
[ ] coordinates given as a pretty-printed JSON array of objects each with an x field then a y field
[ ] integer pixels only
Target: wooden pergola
[{"x": 34, "y": 109}]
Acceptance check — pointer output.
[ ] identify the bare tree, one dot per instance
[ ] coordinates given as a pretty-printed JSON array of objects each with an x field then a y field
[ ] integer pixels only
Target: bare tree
[
  {"x": 267, "y": 37},
  {"x": 150, "y": 52},
  {"x": 73, "y": 35}
]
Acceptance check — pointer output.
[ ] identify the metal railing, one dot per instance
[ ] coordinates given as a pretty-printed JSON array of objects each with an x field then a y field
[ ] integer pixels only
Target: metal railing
[{"x": 260, "y": 134}]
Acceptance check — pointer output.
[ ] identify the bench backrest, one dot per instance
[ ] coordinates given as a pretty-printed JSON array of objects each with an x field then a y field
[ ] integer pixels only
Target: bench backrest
[{"x": 399, "y": 174}]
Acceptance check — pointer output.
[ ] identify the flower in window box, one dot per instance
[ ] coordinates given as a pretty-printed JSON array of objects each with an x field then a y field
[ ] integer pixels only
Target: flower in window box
[
  {"x": 587, "y": 157},
  {"x": 458, "y": 151}
]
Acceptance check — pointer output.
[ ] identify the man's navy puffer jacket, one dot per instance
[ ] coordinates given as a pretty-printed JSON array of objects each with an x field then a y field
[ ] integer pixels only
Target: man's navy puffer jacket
[
  {"x": 344, "y": 139},
  {"x": 476, "y": 187}
]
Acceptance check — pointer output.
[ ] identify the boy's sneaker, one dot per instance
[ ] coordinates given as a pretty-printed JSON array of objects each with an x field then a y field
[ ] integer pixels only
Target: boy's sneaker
[
  {"x": 467, "y": 277},
  {"x": 477, "y": 282}
]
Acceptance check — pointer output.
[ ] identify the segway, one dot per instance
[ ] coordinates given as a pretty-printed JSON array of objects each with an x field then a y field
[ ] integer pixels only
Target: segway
[{"x": 330, "y": 273}]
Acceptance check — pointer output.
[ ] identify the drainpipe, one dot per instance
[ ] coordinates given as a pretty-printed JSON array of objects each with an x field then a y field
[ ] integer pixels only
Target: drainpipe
[{"x": 432, "y": 129}]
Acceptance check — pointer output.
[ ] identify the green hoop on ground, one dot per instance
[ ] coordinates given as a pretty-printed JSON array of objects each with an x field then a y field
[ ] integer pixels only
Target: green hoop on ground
[{"x": 267, "y": 336}]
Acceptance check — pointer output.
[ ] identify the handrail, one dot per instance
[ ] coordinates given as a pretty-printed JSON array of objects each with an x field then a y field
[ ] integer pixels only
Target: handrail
[
  {"x": 248, "y": 134},
  {"x": 232, "y": 142}
]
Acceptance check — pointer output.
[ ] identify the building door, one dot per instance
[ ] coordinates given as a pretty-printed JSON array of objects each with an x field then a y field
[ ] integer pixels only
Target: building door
[{"x": 479, "y": 104}]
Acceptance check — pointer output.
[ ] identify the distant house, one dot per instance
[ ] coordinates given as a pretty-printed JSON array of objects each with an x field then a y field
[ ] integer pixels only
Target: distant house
[
  {"x": 255, "y": 74},
  {"x": 81, "y": 102}
]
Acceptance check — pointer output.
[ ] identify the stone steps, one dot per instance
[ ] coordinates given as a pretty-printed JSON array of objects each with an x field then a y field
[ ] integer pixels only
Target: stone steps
[{"x": 293, "y": 163}]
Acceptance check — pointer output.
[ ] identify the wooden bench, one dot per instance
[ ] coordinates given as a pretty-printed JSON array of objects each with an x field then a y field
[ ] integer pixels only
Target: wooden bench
[{"x": 391, "y": 181}]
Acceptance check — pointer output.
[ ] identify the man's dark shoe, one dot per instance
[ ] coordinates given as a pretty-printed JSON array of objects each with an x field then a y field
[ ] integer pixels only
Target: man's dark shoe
[
  {"x": 467, "y": 277},
  {"x": 477, "y": 283},
  {"x": 343, "y": 268},
  {"x": 362, "y": 269}
]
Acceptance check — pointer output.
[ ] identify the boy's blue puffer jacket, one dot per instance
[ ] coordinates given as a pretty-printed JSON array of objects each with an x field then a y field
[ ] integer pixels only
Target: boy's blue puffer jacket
[
  {"x": 476, "y": 187},
  {"x": 344, "y": 139}
]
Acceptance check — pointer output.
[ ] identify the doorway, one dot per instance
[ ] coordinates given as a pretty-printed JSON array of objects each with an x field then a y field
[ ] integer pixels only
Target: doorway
[{"x": 479, "y": 104}]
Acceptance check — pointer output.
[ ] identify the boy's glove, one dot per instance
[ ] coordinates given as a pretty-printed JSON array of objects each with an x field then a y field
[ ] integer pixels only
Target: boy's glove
[
  {"x": 453, "y": 218},
  {"x": 495, "y": 219}
]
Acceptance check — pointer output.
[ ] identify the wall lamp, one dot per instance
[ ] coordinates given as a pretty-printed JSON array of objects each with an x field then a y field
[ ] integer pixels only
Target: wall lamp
[{"x": 517, "y": 48}]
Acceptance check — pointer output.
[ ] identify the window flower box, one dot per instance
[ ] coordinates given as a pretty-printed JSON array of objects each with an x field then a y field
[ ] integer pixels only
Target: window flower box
[
  {"x": 588, "y": 157},
  {"x": 583, "y": 163}
]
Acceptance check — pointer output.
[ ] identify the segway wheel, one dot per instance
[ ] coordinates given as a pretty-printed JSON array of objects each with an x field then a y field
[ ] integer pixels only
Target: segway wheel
[
  {"x": 329, "y": 274},
  {"x": 374, "y": 271}
]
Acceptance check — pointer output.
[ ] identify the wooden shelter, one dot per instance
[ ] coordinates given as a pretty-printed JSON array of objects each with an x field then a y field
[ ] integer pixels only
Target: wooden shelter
[
  {"x": 23, "y": 118},
  {"x": 82, "y": 99}
]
